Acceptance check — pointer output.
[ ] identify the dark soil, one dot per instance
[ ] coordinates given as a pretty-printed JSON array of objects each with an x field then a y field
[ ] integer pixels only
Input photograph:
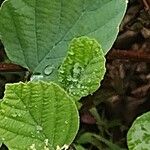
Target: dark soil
[{"x": 125, "y": 91}]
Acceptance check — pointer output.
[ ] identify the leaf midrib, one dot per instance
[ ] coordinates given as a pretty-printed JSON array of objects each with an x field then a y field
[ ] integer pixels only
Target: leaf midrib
[
  {"x": 29, "y": 113},
  {"x": 63, "y": 37}
]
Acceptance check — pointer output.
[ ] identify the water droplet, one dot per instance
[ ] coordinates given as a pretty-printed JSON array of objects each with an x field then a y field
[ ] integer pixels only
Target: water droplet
[
  {"x": 49, "y": 69},
  {"x": 39, "y": 128},
  {"x": 82, "y": 92},
  {"x": 14, "y": 115},
  {"x": 19, "y": 115},
  {"x": 5, "y": 118},
  {"x": 97, "y": 49},
  {"x": 73, "y": 93},
  {"x": 90, "y": 42},
  {"x": 71, "y": 52},
  {"x": 66, "y": 122},
  {"x": 89, "y": 81},
  {"x": 83, "y": 87},
  {"x": 74, "y": 80},
  {"x": 46, "y": 142},
  {"x": 46, "y": 148},
  {"x": 78, "y": 86},
  {"x": 69, "y": 78},
  {"x": 76, "y": 69},
  {"x": 32, "y": 147},
  {"x": 2, "y": 111},
  {"x": 61, "y": 71},
  {"x": 33, "y": 135},
  {"x": 36, "y": 77}
]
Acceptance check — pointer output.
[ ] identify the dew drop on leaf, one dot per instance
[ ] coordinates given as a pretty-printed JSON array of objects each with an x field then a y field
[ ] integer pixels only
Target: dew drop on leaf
[
  {"x": 78, "y": 86},
  {"x": 2, "y": 111},
  {"x": 49, "y": 69},
  {"x": 76, "y": 69},
  {"x": 36, "y": 77},
  {"x": 46, "y": 142},
  {"x": 19, "y": 115},
  {"x": 39, "y": 128},
  {"x": 14, "y": 115},
  {"x": 71, "y": 53},
  {"x": 66, "y": 122},
  {"x": 32, "y": 147},
  {"x": 61, "y": 71},
  {"x": 89, "y": 81},
  {"x": 5, "y": 118}
]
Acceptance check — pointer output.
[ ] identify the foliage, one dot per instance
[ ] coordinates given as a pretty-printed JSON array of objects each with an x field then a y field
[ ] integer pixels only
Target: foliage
[
  {"x": 39, "y": 99},
  {"x": 139, "y": 133},
  {"x": 37, "y": 115},
  {"x": 36, "y": 33},
  {"x": 83, "y": 68},
  {"x": 97, "y": 141}
]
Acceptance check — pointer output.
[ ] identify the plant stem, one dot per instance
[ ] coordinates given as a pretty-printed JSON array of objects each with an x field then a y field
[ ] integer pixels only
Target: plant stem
[{"x": 136, "y": 56}]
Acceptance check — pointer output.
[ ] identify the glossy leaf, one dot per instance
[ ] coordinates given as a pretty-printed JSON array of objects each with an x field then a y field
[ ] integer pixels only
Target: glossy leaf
[
  {"x": 83, "y": 69},
  {"x": 36, "y": 33},
  {"x": 37, "y": 116},
  {"x": 139, "y": 133}
]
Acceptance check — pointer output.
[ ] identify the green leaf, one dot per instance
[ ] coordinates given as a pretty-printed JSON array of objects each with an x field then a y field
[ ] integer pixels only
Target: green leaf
[
  {"x": 83, "y": 69},
  {"x": 139, "y": 134},
  {"x": 37, "y": 116},
  {"x": 78, "y": 147},
  {"x": 97, "y": 141},
  {"x": 36, "y": 33}
]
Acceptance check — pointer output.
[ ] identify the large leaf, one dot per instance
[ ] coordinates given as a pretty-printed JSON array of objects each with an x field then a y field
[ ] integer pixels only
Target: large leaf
[
  {"x": 83, "y": 69},
  {"x": 36, "y": 33},
  {"x": 37, "y": 116},
  {"x": 139, "y": 133}
]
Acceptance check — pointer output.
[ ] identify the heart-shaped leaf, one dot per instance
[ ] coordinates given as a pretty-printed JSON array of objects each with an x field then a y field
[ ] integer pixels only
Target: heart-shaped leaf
[
  {"x": 37, "y": 116},
  {"x": 83, "y": 69},
  {"x": 36, "y": 33},
  {"x": 139, "y": 133}
]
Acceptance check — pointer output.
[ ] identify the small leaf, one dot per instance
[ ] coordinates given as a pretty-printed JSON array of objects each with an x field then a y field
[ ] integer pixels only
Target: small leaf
[
  {"x": 83, "y": 69},
  {"x": 36, "y": 33},
  {"x": 139, "y": 134},
  {"x": 37, "y": 116}
]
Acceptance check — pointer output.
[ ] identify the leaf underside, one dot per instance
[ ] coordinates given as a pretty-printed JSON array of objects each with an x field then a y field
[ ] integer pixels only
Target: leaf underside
[
  {"x": 139, "y": 134},
  {"x": 37, "y": 116},
  {"x": 36, "y": 33},
  {"x": 83, "y": 69}
]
